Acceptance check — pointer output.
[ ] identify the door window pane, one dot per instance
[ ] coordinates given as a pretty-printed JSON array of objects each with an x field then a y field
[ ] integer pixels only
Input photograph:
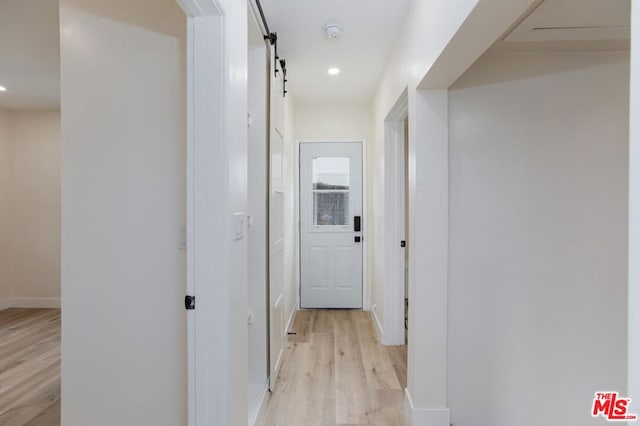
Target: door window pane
[
  {"x": 330, "y": 208},
  {"x": 330, "y": 173},
  {"x": 331, "y": 188}
]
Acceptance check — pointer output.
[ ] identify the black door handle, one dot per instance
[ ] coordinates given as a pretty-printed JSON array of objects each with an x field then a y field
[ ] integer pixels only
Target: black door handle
[
  {"x": 357, "y": 239},
  {"x": 356, "y": 223}
]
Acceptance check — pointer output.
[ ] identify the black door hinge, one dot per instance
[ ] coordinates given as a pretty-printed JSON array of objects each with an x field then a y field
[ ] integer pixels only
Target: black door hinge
[
  {"x": 189, "y": 302},
  {"x": 403, "y": 243}
]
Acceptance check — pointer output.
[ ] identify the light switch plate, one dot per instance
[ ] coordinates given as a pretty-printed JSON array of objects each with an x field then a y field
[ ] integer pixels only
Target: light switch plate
[
  {"x": 182, "y": 244},
  {"x": 239, "y": 225}
]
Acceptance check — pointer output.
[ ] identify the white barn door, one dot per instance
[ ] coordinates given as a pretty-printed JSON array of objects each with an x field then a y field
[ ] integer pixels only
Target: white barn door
[{"x": 276, "y": 229}]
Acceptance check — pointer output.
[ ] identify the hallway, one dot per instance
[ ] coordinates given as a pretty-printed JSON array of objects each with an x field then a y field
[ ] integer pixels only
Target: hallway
[
  {"x": 334, "y": 372},
  {"x": 476, "y": 160}
]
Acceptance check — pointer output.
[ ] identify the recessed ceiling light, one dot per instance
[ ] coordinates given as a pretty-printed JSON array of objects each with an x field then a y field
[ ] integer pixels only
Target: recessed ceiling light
[
  {"x": 3, "y": 89},
  {"x": 334, "y": 71}
]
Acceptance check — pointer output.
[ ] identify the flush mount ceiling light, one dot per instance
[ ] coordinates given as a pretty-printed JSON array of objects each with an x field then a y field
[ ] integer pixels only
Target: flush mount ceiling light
[
  {"x": 333, "y": 71},
  {"x": 3, "y": 89},
  {"x": 332, "y": 31}
]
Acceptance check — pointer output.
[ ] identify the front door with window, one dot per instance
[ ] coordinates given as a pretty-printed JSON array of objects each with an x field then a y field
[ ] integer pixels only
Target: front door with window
[{"x": 331, "y": 225}]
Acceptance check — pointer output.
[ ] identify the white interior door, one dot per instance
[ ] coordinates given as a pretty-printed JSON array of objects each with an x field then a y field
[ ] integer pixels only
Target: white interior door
[
  {"x": 276, "y": 229},
  {"x": 331, "y": 225},
  {"x": 257, "y": 214}
]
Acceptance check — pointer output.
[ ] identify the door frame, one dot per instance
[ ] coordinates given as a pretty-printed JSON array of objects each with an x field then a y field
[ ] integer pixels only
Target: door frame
[
  {"x": 206, "y": 127},
  {"x": 394, "y": 224},
  {"x": 365, "y": 213}
]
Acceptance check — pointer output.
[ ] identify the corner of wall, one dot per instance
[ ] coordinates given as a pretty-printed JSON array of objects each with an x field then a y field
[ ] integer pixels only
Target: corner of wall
[{"x": 425, "y": 416}]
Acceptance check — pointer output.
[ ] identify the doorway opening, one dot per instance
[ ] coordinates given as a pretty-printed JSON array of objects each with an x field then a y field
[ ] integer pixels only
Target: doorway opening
[
  {"x": 30, "y": 212},
  {"x": 397, "y": 224},
  {"x": 405, "y": 206}
]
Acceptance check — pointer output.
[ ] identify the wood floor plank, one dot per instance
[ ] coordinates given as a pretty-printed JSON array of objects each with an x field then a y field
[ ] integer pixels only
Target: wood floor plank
[
  {"x": 33, "y": 343},
  {"x": 323, "y": 321},
  {"x": 302, "y": 325},
  {"x": 377, "y": 364},
  {"x": 284, "y": 393},
  {"x": 323, "y": 380},
  {"x": 352, "y": 399},
  {"x": 49, "y": 417},
  {"x": 387, "y": 407},
  {"x": 21, "y": 386},
  {"x": 314, "y": 385},
  {"x": 30, "y": 404},
  {"x": 10, "y": 315},
  {"x": 18, "y": 328},
  {"x": 30, "y": 367},
  {"x": 398, "y": 357}
]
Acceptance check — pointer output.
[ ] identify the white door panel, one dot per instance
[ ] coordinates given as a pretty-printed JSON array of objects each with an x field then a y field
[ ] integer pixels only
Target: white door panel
[
  {"x": 276, "y": 230},
  {"x": 330, "y": 199}
]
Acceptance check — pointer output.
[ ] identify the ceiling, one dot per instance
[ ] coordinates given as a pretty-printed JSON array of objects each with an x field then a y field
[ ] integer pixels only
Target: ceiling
[
  {"x": 29, "y": 54},
  {"x": 29, "y": 48},
  {"x": 572, "y": 25},
  {"x": 369, "y": 31},
  {"x": 29, "y": 43}
]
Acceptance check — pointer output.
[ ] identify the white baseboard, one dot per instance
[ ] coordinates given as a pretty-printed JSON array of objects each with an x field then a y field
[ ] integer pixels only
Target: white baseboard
[
  {"x": 30, "y": 302},
  {"x": 290, "y": 320},
  {"x": 376, "y": 321},
  {"x": 4, "y": 304},
  {"x": 425, "y": 416},
  {"x": 262, "y": 407}
]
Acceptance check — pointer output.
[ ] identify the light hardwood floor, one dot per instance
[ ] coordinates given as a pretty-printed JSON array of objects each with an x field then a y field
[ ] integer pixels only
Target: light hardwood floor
[
  {"x": 334, "y": 372},
  {"x": 30, "y": 367}
]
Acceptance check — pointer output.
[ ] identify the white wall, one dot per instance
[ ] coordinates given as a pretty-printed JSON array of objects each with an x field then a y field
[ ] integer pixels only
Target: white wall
[
  {"x": 333, "y": 121},
  {"x": 123, "y": 209},
  {"x": 4, "y": 205},
  {"x": 350, "y": 122},
  {"x": 438, "y": 41},
  {"x": 427, "y": 29},
  {"x": 34, "y": 209},
  {"x": 429, "y": 26},
  {"x": 30, "y": 211},
  {"x": 537, "y": 260},
  {"x": 633, "y": 361}
]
